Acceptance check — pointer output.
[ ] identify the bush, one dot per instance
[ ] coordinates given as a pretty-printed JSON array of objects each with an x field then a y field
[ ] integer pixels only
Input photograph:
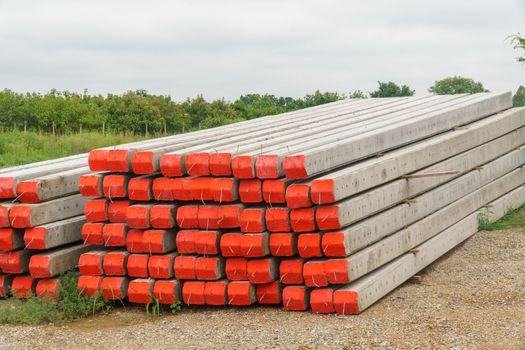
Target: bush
[
  {"x": 456, "y": 85},
  {"x": 519, "y": 98},
  {"x": 391, "y": 89}
]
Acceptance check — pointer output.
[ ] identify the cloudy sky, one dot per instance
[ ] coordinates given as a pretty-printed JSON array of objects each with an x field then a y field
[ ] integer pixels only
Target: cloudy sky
[{"x": 225, "y": 48}]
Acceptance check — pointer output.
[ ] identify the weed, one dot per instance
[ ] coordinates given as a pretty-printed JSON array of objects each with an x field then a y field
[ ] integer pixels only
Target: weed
[
  {"x": 155, "y": 308},
  {"x": 484, "y": 219},
  {"x": 177, "y": 307},
  {"x": 70, "y": 306},
  {"x": 513, "y": 219}
]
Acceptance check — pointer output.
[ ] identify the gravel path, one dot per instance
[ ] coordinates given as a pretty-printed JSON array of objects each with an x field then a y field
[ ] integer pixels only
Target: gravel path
[{"x": 473, "y": 298}]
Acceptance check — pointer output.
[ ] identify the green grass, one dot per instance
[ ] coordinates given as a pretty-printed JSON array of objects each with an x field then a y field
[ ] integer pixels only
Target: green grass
[
  {"x": 18, "y": 148},
  {"x": 71, "y": 306},
  {"x": 513, "y": 219}
]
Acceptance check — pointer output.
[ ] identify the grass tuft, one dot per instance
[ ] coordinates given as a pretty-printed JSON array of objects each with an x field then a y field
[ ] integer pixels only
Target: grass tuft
[
  {"x": 513, "y": 219},
  {"x": 71, "y": 306}
]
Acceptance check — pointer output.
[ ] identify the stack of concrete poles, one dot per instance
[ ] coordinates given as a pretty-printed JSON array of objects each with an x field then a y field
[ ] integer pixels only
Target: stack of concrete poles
[
  {"x": 41, "y": 217},
  {"x": 39, "y": 238},
  {"x": 329, "y": 208}
]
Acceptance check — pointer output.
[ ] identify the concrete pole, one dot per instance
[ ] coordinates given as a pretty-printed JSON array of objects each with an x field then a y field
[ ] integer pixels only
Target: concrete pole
[
  {"x": 380, "y": 253},
  {"x": 50, "y": 187},
  {"x": 376, "y": 171},
  {"x": 5, "y": 285},
  {"x": 29, "y": 215},
  {"x": 16, "y": 262},
  {"x": 291, "y": 271},
  {"x": 278, "y": 219},
  {"x": 200, "y": 161},
  {"x": 115, "y": 263},
  {"x": 209, "y": 268},
  {"x": 148, "y": 161},
  {"x": 163, "y": 216},
  {"x": 264, "y": 270},
  {"x": 159, "y": 241},
  {"x": 379, "y": 226},
  {"x": 11, "y": 239},
  {"x": 266, "y": 162},
  {"x": 54, "y": 234},
  {"x": 91, "y": 263},
  {"x": 54, "y": 262},
  {"x": 367, "y": 203},
  {"x": 264, "y": 150},
  {"x": 215, "y": 292},
  {"x": 241, "y": 293},
  {"x": 4, "y": 214},
  {"x": 327, "y": 157},
  {"x": 206, "y": 242},
  {"x": 24, "y": 286},
  {"x": 9, "y": 180},
  {"x": 236, "y": 269},
  {"x": 168, "y": 292},
  {"x": 114, "y": 288},
  {"x": 161, "y": 266},
  {"x": 256, "y": 245},
  {"x": 137, "y": 265},
  {"x": 358, "y": 296},
  {"x": 283, "y": 244},
  {"x": 119, "y": 158},
  {"x": 337, "y": 244},
  {"x": 115, "y": 234},
  {"x": 253, "y": 219},
  {"x": 296, "y": 298},
  {"x": 270, "y": 293},
  {"x": 140, "y": 290}
]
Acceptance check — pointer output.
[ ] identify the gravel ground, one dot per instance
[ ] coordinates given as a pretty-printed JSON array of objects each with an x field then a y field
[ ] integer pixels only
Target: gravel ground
[{"x": 473, "y": 298}]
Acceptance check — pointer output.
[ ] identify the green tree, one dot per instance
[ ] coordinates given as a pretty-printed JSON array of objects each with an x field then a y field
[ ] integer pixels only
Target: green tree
[
  {"x": 518, "y": 42},
  {"x": 357, "y": 94},
  {"x": 255, "y": 105},
  {"x": 319, "y": 98},
  {"x": 519, "y": 98},
  {"x": 456, "y": 85},
  {"x": 391, "y": 89},
  {"x": 132, "y": 111}
]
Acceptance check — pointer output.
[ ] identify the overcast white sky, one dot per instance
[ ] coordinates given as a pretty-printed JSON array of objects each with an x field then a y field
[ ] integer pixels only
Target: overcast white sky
[{"x": 225, "y": 48}]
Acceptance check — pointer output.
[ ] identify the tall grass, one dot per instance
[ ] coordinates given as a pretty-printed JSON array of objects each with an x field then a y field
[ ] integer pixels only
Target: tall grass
[
  {"x": 513, "y": 219},
  {"x": 21, "y": 148},
  {"x": 35, "y": 310}
]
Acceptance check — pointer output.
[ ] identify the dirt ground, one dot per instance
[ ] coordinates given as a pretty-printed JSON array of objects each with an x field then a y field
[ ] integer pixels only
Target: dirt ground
[{"x": 473, "y": 298}]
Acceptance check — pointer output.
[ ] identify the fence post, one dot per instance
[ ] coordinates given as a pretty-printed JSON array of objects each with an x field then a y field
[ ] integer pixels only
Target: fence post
[
  {"x": 53, "y": 128},
  {"x": 146, "y": 129},
  {"x": 80, "y": 129},
  {"x": 183, "y": 127},
  {"x": 165, "y": 129},
  {"x": 25, "y": 126},
  {"x": 103, "y": 128}
]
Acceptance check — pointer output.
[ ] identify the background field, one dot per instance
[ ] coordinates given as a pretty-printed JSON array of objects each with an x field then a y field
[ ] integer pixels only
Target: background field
[{"x": 20, "y": 148}]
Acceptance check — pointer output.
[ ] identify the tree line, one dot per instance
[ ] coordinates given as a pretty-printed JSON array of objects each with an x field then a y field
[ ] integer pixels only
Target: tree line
[{"x": 139, "y": 112}]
